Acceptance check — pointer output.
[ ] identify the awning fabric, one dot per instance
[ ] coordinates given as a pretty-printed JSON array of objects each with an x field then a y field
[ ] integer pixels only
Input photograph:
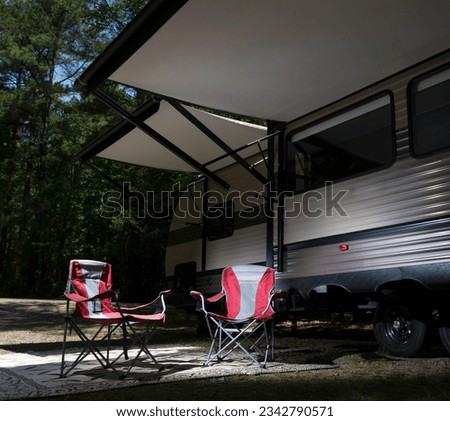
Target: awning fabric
[
  {"x": 273, "y": 60},
  {"x": 137, "y": 148}
]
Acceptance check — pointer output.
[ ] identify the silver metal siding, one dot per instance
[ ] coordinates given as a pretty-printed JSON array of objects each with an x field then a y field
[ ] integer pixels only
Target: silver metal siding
[{"x": 376, "y": 253}]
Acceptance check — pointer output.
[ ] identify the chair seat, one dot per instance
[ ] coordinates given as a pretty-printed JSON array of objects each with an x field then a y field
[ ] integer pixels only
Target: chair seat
[
  {"x": 244, "y": 320},
  {"x": 106, "y": 318}
]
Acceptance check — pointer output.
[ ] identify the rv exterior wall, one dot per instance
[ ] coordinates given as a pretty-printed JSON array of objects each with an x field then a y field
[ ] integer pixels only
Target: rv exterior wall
[
  {"x": 378, "y": 239},
  {"x": 409, "y": 191}
]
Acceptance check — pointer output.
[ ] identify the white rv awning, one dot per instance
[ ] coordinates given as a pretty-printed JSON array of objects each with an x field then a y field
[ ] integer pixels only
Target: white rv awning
[
  {"x": 138, "y": 148},
  {"x": 269, "y": 59}
]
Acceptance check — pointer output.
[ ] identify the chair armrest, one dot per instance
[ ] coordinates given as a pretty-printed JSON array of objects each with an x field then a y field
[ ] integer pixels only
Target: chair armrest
[
  {"x": 160, "y": 297},
  {"x": 279, "y": 295},
  {"x": 216, "y": 297},
  {"x": 79, "y": 299},
  {"x": 201, "y": 299},
  {"x": 275, "y": 296},
  {"x": 165, "y": 293},
  {"x": 74, "y": 297},
  {"x": 197, "y": 295}
]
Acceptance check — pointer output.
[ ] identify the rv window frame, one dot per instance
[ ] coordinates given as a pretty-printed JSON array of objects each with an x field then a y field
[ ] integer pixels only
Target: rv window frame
[
  {"x": 412, "y": 115},
  {"x": 385, "y": 93}
]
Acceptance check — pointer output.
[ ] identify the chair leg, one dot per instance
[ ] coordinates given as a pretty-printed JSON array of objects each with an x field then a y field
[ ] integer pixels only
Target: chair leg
[
  {"x": 142, "y": 341},
  {"x": 108, "y": 344},
  {"x": 66, "y": 323},
  {"x": 267, "y": 349},
  {"x": 216, "y": 341},
  {"x": 269, "y": 344},
  {"x": 89, "y": 347},
  {"x": 229, "y": 337},
  {"x": 272, "y": 339},
  {"x": 125, "y": 340}
]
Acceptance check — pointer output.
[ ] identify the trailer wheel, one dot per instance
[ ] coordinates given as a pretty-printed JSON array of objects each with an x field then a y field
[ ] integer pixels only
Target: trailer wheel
[
  {"x": 444, "y": 328},
  {"x": 400, "y": 329},
  {"x": 444, "y": 334}
]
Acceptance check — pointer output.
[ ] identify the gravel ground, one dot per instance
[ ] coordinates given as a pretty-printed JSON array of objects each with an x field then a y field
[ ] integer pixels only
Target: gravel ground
[
  {"x": 30, "y": 324},
  {"x": 38, "y": 325}
]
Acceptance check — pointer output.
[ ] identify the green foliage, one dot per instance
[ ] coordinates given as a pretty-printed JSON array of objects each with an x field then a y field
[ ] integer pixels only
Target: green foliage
[{"x": 50, "y": 205}]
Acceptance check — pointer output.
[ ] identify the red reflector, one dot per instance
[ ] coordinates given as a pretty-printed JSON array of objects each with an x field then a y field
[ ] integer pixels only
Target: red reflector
[{"x": 343, "y": 247}]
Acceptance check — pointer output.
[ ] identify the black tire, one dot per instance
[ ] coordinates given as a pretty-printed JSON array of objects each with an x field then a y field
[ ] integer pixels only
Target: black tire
[
  {"x": 444, "y": 328},
  {"x": 400, "y": 328},
  {"x": 444, "y": 334}
]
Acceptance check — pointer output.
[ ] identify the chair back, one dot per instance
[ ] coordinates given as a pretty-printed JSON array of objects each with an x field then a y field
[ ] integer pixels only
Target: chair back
[
  {"x": 248, "y": 290},
  {"x": 89, "y": 278}
]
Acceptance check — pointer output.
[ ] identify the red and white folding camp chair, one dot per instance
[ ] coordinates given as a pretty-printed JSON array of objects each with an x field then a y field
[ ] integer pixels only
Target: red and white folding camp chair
[
  {"x": 246, "y": 320},
  {"x": 89, "y": 286}
]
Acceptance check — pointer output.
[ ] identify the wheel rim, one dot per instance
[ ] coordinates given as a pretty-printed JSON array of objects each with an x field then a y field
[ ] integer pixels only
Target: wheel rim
[{"x": 398, "y": 325}]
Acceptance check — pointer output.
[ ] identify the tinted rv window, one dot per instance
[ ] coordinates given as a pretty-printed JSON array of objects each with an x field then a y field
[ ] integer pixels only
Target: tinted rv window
[
  {"x": 220, "y": 221},
  {"x": 347, "y": 144},
  {"x": 430, "y": 113}
]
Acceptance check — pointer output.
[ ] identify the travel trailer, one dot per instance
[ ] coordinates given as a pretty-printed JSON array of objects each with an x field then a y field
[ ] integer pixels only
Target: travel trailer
[{"x": 320, "y": 133}]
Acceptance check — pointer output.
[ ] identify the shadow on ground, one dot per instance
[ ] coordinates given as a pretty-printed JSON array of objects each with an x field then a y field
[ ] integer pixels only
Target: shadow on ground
[{"x": 360, "y": 371}]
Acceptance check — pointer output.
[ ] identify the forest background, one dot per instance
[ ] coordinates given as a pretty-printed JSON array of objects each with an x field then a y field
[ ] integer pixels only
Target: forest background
[{"x": 51, "y": 204}]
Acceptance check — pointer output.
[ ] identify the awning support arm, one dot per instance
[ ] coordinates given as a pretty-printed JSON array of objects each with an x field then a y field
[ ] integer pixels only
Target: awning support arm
[
  {"x": 219, "y": 142},
  {"x": 158, "y": 137},
  {"x": 265, "y": 161},
  {"x": 241, "y": 148}
]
